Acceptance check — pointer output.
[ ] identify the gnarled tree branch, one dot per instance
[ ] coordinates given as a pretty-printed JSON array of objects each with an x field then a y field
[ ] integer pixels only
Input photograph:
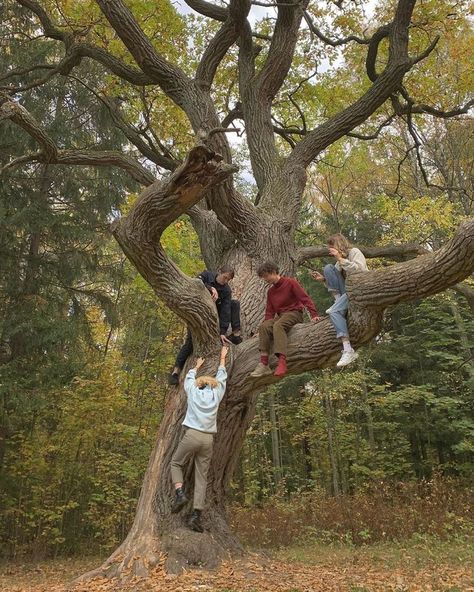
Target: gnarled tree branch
[
  {"x": 139, "y": 236},
  {"x": 50, "y": 154}
]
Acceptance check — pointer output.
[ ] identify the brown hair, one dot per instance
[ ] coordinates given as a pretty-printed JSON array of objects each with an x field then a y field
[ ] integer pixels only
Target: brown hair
[
  {"x": 202, "y": 381},
  {"x": 340, "y": 242},
  {"x": 226, "y": 269},
  {"x": 267, "y": 267}
]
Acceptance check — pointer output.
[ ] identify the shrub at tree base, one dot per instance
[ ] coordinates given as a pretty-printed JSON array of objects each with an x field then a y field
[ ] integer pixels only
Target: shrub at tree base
[{"x": 387, "y": 512}]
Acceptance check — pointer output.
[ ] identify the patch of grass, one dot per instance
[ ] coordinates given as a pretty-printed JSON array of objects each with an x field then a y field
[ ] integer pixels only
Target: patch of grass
[{"x": 415, "y": 553}]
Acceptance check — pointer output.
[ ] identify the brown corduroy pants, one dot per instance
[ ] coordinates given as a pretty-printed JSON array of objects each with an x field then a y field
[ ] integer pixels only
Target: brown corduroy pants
[
  {"x": 197, "y": 444},
  {"x": 276, "y": 330}
]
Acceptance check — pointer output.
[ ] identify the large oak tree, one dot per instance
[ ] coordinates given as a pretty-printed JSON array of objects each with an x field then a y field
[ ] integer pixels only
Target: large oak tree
[{"x": 232, "y": 228}]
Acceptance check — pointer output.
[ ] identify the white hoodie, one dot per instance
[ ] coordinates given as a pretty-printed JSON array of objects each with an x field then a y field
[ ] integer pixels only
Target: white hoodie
[{"x": 203, "y": 404}]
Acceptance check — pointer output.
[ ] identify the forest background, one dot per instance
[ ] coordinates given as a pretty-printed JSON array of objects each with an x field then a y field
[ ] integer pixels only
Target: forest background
[{"x": 86, "y": 347}]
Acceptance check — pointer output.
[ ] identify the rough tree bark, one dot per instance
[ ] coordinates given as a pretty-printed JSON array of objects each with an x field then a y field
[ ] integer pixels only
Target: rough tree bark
[{"x": 231, "y": 230}]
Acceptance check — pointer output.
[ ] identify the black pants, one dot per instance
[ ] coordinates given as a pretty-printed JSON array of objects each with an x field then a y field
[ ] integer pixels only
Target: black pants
[{"x": 187, "y": 348}]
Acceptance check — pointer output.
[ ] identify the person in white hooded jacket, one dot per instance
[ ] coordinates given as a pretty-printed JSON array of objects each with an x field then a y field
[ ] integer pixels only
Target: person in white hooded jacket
[{"x": 204, "y": 395}]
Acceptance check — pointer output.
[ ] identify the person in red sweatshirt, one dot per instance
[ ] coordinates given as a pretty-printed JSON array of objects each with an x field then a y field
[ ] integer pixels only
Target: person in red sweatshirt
[{"x": 286, "y": 299}]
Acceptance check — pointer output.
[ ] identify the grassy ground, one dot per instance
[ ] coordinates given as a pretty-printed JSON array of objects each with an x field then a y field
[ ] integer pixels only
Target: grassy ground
[
  {"x": 418, "y": 565},
  {"x": 416, "y": 553}
]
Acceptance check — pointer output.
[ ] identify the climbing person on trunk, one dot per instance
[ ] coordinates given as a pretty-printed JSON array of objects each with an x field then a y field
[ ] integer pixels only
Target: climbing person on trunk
[
  {"x": 348, "y": 260},
  {"x": 286, "y": 299},
  {"x": 228, "y": 311},
  {"x": 204, "y": 395}
]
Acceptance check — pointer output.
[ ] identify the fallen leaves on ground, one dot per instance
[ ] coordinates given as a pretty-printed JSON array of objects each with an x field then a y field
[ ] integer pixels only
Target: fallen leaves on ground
[{"x": 259, "y": 574}]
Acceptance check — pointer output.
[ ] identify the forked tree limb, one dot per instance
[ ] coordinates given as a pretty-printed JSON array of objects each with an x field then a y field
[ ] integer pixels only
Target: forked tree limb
[
  {"x": 140, "y": 232},
  {"x": 50, "y": 154}
]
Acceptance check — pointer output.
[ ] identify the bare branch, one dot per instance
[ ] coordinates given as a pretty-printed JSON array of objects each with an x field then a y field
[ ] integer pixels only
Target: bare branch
[
  {"x": 467, "y": 292},
  {"x": 131, "y": 132},
  {"x": 427, "y": 51},
  {"x": 282, "y": 48},
  {"x": 74, "y": 51},
  {"x": 50, "y": 30},
  {"x": 376, "y": 134},
  {"x": 374, "y": 42},
  {"x": 208, "y": 9},
  {"x": 50, "y": 154},
  {"x": 171, "y": 79},
  {"x": 333, "y": 42},
  {"x": 23, "y": 71},
  {"x": 21, "y": 117}
]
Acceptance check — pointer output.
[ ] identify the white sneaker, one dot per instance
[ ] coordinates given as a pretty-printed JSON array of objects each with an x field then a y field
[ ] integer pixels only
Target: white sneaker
[
  {"x": 328, "y": 310},
  {"x": 347, "y": 358}
]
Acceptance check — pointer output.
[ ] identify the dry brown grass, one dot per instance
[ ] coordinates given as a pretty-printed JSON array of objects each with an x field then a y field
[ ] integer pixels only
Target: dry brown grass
[{"x": 389, "y": 512}]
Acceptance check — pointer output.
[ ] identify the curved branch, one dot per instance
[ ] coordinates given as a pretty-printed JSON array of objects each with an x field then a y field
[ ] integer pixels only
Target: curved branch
[
  {"x": 333, "y": 42},
  {"x": 381, "y": 33},
  {"x": 218, "y": 13},
  {"x": 50, "y": 154},
  {"x": 139, "y": 235},
  {"x": 21, "y": 117},
  {"x": 467, "y": 292},
  {"x": 418, "y": 278},
  {"x": 74, "y": 51},
  {"x": 50, "y": 30},
  {"x": 101, "y": 158}
]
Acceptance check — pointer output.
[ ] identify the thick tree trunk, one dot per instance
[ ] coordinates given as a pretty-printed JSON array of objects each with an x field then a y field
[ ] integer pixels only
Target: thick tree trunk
[{"x": 311, "y": 347}]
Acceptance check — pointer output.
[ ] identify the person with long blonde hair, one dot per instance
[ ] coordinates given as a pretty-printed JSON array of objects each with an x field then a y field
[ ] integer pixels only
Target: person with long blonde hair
[
  {"x": 204, "y": 395},
  {"x": 348, "y": 260}
]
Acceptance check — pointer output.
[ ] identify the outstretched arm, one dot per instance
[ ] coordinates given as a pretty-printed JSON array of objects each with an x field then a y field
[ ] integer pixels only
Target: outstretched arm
[
  {"x": 221, "y": 375},
  {"x": 189, "y": 385}
]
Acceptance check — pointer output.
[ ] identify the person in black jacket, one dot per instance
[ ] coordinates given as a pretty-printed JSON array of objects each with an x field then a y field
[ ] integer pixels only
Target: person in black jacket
[{"x": 228, "y": 311}]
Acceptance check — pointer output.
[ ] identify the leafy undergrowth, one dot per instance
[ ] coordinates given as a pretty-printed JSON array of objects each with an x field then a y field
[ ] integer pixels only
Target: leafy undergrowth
[
  {"x": 386, "y": 512},
  {"x": 420, "y": 565}
]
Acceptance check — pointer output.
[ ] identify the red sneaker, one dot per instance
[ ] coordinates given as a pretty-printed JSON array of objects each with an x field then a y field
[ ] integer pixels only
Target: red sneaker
[{"x": 281, "y": 368}]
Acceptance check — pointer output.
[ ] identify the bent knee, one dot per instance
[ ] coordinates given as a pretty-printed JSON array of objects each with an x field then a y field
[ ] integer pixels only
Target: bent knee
[{"x": 329, "y": 268}]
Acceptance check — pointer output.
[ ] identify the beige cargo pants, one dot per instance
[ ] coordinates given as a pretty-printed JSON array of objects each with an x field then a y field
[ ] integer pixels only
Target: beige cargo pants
[{"x": 197, "y": 444}]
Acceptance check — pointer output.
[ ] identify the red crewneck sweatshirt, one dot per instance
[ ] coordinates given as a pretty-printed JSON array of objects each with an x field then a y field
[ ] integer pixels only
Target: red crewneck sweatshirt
[{"x": 287, "y": 294}]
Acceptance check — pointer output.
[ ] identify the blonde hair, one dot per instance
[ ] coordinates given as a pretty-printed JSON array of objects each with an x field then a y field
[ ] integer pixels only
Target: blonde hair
[
  {"x": 340, "y": 242},
  {"x": 202, "y": 381}
]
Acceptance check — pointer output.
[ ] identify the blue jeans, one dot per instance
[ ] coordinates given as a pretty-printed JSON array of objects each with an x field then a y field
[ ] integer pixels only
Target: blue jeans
[
  {"x": 334, "y": 280},
  {"x": 337, "y": 313}
]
